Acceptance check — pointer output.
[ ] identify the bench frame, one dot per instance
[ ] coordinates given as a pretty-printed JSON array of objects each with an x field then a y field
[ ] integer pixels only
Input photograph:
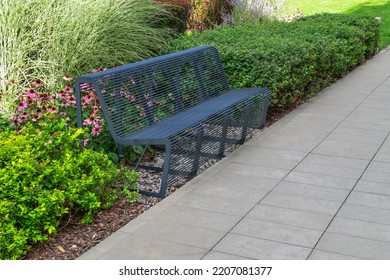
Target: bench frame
[{"x": 203, "y": 110}]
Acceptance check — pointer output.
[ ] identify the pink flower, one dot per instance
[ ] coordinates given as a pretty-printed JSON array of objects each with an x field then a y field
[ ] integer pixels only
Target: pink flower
[
  {"x": 96, "y": 130},
  {"x": 63, "y": 113},
  {"x": 16, "y": 121},
  {"x": 86, "y": 122},
  {"x": 85, "y": 142},
  {"x": 65, "y": 104},
  {"x": 31, "y": 93},
  {"x": 51, "y": 109},
  {"x": 68, "y": 89},
  {"x": 67, "y": 77},
  {"x": 72, "y": 100},
  {"x": 92, "y": 119},
  {"x": 37, "y": 83},
  {"x": 36, "y": 117},
  {"x": 99, "y": 70},
  {"x": 131, "y": 98},
  {"x": 160, "y": 102},
  {"x": 44, "y": 97},
  {"x": 22, "y": 105},
  {"x": 63, "y": 95}
]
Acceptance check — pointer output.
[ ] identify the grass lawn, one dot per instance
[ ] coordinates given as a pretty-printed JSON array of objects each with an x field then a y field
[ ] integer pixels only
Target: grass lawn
[{"x": 373, "y": 8}]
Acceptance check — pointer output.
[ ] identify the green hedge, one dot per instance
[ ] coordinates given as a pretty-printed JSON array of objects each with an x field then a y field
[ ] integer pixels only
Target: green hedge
[
  {"x": 295, "y": 60},
  {"x": 45, "y": 174}
]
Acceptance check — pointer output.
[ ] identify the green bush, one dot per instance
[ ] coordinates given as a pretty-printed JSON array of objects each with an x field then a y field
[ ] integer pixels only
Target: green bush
[
  {"x": 295, "y": 60},
  {"x": 44, "y": 174}
]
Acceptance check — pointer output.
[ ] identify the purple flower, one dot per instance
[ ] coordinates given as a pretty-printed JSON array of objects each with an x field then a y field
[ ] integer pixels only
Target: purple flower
[
  {"x": 62, "y": 95},
  {"x": 68, "y": 89},
  {"x": 31, "y": 93},
  {"x": 67, "y": 77},
  {"x": 37, "y": 83},
  {"x": 96, "y": 130},
  {"x": 22, "y": 105},
  {"x": 65, "y": 103}
]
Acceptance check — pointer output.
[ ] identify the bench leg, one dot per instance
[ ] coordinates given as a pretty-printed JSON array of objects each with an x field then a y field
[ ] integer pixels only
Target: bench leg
[
  {"x": 165, "y": 173},
  {"x": 164, "y": 179},
  {"x": 120, "y": 150},
  {"x": 264, "y": 110},
  {"x": 198, "y": 150},
  {"x": 246, "y": 121},
  {"x": 222, "y": 143}
]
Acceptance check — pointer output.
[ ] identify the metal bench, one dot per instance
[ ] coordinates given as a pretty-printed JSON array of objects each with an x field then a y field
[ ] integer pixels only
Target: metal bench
[{"x": 181, "y": 102}]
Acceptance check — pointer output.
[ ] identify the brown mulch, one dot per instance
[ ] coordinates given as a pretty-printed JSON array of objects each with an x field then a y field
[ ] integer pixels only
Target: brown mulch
[{"x": 74, "y": 238}]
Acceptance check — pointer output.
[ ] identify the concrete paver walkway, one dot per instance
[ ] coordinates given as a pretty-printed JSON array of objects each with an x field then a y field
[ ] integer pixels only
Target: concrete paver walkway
[{"x": 315, "y": 185}]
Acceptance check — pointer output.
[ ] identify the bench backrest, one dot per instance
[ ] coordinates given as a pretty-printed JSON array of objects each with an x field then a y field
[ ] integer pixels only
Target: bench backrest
[{"x": 140, "y": 94}]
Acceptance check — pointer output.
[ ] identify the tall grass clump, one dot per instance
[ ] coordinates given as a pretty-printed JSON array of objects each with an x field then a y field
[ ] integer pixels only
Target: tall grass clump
[{"x": 48, "y": 38}]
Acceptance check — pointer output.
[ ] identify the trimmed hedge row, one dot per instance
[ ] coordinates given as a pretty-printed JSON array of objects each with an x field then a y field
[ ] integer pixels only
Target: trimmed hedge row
[{"x": 295, "y": 60}]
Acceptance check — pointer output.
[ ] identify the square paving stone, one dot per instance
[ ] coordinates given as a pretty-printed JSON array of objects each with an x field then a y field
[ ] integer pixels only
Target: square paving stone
[
  {"x": 254, "y": 248},
  {"x": 365, "y": 213},
  {"x": 322, "y": 255},
  {"x": 360, "y": 164},
  {"x": 320, "y": 192},
  {"x": 290, "y": 217},
  {"x": 373, "y": 187},
  {"x": 369, "y": 199},
  {"x": 354, "y": 246},
  {"x": 245, "y": 169},
  {"x": 302, "y": 203},
  {"x": 332, "y": 170},
  {"x": 181, "y": 234},
  {"x": 142, "y": 248},
  {"x": 198, "y": 218},
  {"x": 216, "y": 204},
  {"x": 358, "y": 228},
  {"x": 278, "y": 232},
  {"x": 321, "y": 180},
  {"x": 213, "y": 255},
  {"x": 237, "y": 187},
  {"x": 276, "y": 158}
]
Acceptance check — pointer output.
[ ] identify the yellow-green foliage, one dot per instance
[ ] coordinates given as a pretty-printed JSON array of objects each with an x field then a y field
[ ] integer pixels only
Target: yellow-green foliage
[{"x": 44, "y": 174}]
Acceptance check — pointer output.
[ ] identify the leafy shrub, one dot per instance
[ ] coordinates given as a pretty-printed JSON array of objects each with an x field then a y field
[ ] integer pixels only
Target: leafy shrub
[
  {"x": 44, "y": 174},
  {"x": 295, "y": 60}
]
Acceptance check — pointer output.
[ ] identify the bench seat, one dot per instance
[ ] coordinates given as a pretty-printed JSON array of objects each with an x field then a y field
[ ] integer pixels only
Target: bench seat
[{"x": 168, "y": 128}]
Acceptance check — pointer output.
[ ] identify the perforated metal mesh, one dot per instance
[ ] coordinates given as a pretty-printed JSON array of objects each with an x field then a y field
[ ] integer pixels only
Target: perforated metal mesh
[{"x": 181, "y": 101}]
